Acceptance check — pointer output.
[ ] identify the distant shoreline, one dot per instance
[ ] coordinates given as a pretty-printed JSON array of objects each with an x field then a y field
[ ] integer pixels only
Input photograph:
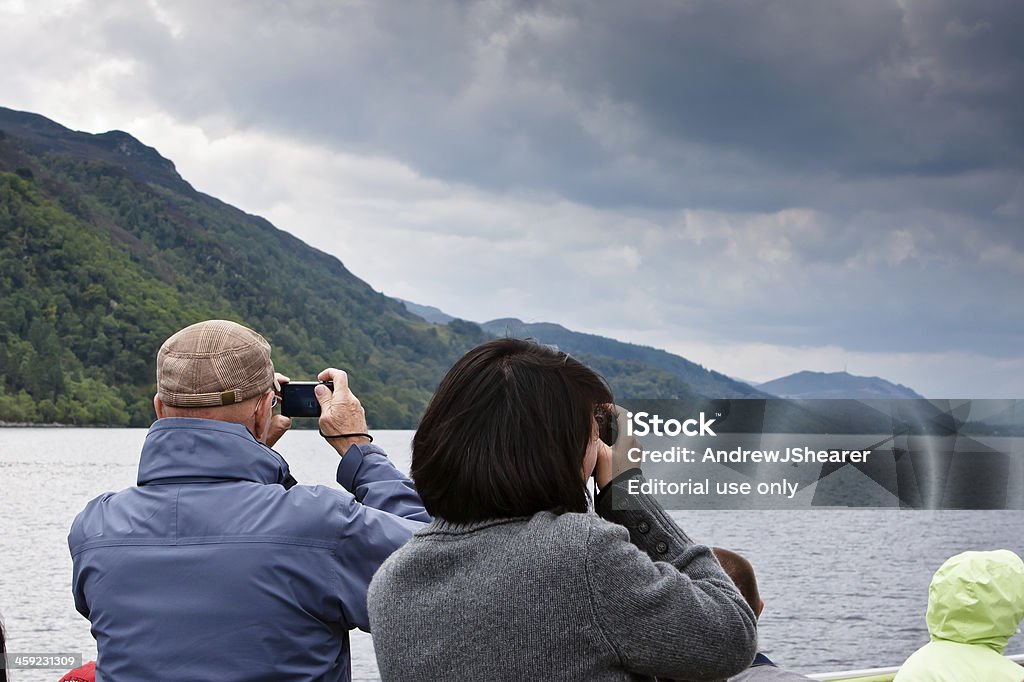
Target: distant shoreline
[
  {"x": 54, "y": 425},
  {"x": 51, "y": 425}
]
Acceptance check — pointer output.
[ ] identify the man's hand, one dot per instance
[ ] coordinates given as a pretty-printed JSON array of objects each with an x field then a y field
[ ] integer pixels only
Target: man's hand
[
  {"x": 340, "y": 411},
  {"x": 279, "y": 423},
  {"x": 612, "y": 461}
]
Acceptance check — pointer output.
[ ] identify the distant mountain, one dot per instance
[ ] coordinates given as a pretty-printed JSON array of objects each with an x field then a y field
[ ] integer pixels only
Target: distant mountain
[
  {"x": 809, "y": 385},
  {"x": 621, "y": 359},
  {"x": 427, "y": 312}
]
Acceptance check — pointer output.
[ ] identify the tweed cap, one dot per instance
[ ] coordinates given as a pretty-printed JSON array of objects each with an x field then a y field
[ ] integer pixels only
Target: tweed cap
[{"x": 212, "y": 363}]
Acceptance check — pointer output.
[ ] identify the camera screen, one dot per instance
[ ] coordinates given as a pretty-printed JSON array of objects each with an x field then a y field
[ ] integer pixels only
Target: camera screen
[{"x": 298, "y": 399}]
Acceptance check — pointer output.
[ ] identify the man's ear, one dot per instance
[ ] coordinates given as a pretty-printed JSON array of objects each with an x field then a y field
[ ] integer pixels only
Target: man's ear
[
  {"x": 158, "y": 406},
  {"x": 261, "y": 422},
  {"x": 760, "y": 608}
]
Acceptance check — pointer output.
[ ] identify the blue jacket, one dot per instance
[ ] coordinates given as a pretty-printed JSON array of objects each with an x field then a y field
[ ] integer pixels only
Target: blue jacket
[{"x": 211, "y": 569}]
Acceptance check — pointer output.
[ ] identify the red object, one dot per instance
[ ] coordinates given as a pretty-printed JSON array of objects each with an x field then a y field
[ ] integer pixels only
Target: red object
[{"x": 87, "y": 673}]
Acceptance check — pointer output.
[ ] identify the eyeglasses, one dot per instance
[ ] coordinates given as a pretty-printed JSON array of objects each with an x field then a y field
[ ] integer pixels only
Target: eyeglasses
[
  {"x": 273, "y": 404},
  {"x": 276, "y": 398}
]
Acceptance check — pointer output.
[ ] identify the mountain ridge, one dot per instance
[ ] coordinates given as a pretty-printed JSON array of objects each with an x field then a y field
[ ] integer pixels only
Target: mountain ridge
[
  {"x": 808, "y": 385},
  {"x": 115, "y": 147},
  {"x": 428, "y": 312},
  {"x": 702, "y": 381}
]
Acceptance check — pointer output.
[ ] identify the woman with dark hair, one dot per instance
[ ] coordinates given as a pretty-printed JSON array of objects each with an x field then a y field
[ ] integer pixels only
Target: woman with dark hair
[{"x": 515, "y": 579}]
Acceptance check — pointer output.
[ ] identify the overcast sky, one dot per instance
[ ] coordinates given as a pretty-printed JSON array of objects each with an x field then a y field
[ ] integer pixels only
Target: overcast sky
[{"x": 761, "y": 187}]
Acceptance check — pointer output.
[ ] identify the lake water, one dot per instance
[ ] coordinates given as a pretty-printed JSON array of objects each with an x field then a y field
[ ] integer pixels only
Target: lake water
[{"x": 842, "y": 588}]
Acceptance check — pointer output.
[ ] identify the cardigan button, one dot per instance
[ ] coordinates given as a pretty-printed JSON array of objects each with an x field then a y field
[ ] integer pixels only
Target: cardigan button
[
  {"x": 661, "y": 547},
  {"x": 643, "y": 526}
]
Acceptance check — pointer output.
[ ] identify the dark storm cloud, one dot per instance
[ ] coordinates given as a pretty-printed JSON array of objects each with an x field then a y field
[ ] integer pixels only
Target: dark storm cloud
[
  {"x": 854, "y": 170},
  {"x": 715, "y": 104}
]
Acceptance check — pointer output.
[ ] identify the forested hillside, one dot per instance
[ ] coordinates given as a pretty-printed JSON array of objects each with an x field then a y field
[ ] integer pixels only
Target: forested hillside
[{"x": 106, "y": 251}]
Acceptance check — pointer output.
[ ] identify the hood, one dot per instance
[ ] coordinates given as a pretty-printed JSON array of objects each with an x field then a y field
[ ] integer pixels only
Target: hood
[
  {"x": 182, "y": 450},
  {"x": 977, "y": 598}
]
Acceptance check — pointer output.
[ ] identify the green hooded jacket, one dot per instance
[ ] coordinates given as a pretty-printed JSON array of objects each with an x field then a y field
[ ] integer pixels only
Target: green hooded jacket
[{"x": 975, "y": 604}]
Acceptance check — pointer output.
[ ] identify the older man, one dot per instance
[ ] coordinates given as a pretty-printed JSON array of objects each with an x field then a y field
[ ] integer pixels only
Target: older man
[
  {"x": 217, "y": 566},
  {"x": 741, "y": 573},
  {"x": 739, "y": 570}
]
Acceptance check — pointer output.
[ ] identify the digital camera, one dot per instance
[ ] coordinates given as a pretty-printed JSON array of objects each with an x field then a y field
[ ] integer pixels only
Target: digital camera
[{"x": 299, "y": 400}]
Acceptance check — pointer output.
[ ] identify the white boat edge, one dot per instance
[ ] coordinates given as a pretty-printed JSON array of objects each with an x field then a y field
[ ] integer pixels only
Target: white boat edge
[{"x": 868, "y": 673}]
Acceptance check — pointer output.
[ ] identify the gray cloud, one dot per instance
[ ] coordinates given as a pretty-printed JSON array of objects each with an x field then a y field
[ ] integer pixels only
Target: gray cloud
[
  {"x": 572, "y": 96},
  {"x": 845, "y": 173}
]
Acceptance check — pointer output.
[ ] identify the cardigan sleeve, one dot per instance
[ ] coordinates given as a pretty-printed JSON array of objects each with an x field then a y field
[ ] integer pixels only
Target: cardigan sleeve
[{"x": 664, "y": 603}]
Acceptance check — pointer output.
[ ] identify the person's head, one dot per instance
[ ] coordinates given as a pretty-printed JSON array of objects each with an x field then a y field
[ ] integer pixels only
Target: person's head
[
  {"x": 510, "y": 432},
  {"x": 741, "y": 573},
  {"x": 977, "y": 598},
  {"x": 216, "y": 369}
]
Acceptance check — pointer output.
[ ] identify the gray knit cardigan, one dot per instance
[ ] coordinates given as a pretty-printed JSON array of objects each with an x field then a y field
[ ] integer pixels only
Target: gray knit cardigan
[{"x": 559, "y": 597}]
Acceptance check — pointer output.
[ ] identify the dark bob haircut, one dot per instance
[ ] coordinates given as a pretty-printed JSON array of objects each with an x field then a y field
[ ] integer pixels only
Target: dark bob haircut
[{"x": 506, "y": 433}]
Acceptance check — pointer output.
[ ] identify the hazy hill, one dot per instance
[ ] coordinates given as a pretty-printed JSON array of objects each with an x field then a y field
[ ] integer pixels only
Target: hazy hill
[
  {"x": 809, "y": 385},
  {"x": 628, "y": 378},
  {"x": 701, "y": 381},
  {"x": 427, "y": 312},
  {"x": 106, "y": 251}
]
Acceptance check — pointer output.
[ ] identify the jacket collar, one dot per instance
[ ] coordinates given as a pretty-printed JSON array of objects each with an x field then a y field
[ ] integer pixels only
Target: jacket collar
[{"x": 186, "y": 450}]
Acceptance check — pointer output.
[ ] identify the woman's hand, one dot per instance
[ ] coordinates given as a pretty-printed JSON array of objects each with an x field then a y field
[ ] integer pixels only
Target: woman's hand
[
  {"x": 603, "y": 471},
  {"x": 612, "y": 461}
]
